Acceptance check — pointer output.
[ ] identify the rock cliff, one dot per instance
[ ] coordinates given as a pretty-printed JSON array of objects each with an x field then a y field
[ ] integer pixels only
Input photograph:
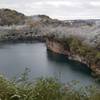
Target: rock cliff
[{"x": 57, "y": 46}]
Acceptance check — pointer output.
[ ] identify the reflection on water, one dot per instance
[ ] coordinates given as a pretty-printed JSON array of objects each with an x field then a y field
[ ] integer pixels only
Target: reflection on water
[{"x": 76, "y": 66}]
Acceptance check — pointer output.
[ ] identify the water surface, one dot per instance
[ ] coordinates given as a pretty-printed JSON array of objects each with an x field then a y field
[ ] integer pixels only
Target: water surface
[{"x": 14, "y": 58}]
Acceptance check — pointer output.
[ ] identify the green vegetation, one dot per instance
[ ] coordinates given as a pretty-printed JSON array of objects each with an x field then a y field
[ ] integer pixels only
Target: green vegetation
[
  {"x": 10, "y": 17},
  {"x": 44, "y": 89},
  {"x": 90, "y": 54}
]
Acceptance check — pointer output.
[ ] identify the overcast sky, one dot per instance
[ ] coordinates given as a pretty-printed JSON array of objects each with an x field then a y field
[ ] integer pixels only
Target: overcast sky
[{"x": 61, "y": 9}]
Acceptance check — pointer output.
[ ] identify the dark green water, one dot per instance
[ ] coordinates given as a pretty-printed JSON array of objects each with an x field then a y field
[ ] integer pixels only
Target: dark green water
[{"x": 14, "y": 58}]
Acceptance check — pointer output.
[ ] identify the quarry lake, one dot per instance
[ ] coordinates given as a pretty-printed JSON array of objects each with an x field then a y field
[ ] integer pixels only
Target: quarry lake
[{"x": 14, "y": 58}]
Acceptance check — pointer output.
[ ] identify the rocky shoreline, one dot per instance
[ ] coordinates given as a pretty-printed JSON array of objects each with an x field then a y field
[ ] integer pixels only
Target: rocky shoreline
[{"x": 57, "y": 47}]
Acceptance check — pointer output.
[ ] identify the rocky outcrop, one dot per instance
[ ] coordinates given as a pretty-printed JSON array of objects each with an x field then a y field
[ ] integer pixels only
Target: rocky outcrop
[{"x": 58, "y": 47}]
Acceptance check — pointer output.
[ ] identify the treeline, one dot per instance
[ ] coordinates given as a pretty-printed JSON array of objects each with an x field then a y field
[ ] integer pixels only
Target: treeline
[{"x": 10, "y": 17}]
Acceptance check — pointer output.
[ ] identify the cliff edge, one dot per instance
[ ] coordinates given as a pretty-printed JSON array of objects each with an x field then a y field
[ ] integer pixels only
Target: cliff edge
[{"x": 75, "y": 49}]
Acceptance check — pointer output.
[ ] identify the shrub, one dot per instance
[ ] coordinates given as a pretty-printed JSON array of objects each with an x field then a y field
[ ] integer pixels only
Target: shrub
[
  {"x": 7, "y": 88},
  {"x": 47, "y": 89}
]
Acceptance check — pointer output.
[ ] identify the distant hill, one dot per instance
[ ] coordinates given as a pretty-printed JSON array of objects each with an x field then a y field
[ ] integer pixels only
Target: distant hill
[
  {"x": 10, "y": 17},
  {"x": 88, "y": 30}
]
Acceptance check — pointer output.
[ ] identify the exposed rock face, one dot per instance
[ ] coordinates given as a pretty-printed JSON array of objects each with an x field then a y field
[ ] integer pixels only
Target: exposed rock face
[{"x": 57, "y": 47}]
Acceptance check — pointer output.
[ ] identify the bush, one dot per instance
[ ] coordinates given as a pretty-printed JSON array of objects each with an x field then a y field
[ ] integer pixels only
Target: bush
[
  {"x": 10, "y": 17},
  {"x": 46, "y": 89},
  {"x": 7, "y": 89}
]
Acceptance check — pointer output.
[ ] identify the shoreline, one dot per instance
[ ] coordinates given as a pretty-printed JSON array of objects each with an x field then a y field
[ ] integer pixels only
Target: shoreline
[{"x": 57, "y": 47}]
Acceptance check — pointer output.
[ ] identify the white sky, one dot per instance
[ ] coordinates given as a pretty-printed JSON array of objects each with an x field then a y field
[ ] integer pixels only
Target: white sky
[{"x": 61, "y": 9}]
